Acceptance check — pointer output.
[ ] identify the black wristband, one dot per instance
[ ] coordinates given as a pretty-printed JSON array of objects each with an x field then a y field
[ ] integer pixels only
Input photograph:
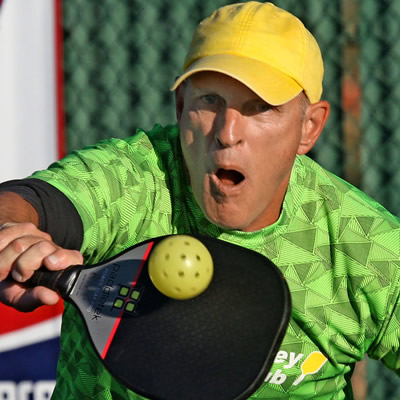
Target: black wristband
[{"x": 57, "y": 215}]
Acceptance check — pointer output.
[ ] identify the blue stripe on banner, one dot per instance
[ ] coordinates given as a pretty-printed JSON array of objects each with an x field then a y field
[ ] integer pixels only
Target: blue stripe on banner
[
  {"x": 23, "y": 378},
  {"x": 22, "y": 363}
]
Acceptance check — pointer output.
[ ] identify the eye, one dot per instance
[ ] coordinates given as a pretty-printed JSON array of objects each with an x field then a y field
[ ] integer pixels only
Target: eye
[
  {"x": 257, "y": 106},
  {"x": 210, "y": 99},
  {"x": 262, "y": 107}
]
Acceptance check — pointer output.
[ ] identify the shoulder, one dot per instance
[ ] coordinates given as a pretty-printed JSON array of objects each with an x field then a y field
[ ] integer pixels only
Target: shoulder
[
  {"x": 159, "y": 137},
  {"x": 338, "y": 196},
  {"x": 141, "y": 151},
  {"x": 142, "y": 142}
]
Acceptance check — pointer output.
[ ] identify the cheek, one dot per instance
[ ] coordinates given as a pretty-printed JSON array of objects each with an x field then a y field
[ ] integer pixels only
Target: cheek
[
  {"x": 193, "y": 149},
  {"x": 286, "y": 140},
  {"x": 275, "y": 151},
  {"x": 187, "y": 139},
  {"x": 196, "y": 128}
]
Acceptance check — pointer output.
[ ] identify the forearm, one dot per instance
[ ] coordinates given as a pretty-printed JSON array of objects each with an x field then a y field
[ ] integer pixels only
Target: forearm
[{"x": 13, "y": 208}]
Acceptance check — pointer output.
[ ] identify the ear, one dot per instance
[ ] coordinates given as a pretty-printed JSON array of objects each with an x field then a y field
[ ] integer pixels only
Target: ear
[
  {"x": 179, "y": 100},
  {"x": 314, "y": 121}
]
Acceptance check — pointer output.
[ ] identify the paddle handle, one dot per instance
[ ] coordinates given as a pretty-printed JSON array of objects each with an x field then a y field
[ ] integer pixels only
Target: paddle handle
[{"x": 59, "y": 281}]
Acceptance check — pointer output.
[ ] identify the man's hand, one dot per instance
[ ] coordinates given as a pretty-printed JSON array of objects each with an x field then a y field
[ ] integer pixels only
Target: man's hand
[{"x": 23, "y": 250}]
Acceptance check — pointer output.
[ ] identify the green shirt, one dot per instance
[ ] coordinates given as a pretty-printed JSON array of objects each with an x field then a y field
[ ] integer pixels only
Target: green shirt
[{"x": 338, "y": 249}]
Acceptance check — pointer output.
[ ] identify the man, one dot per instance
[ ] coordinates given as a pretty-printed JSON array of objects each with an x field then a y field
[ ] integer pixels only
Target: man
[{"x": 248, "y": 110}]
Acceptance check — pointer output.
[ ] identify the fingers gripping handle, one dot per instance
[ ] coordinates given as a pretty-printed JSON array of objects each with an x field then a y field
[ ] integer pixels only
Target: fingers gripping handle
[
  {"x": 44, "y": 277},
  {"x": 59, "y": 281}
]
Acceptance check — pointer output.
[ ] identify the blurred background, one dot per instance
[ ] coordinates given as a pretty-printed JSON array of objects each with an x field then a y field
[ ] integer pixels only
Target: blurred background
[{"x": 119, "y": 59}]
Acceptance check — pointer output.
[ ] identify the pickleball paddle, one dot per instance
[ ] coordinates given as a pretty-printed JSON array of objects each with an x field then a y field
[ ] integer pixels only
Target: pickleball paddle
[{"x": 218, "y": 345}]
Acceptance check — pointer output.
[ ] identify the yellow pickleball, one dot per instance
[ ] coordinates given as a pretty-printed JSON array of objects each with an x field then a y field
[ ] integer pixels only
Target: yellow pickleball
[{"x": 181, "y": 267}]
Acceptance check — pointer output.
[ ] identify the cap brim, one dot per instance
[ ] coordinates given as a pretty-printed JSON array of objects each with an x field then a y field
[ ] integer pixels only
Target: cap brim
[{"x": 267, "y": 82}]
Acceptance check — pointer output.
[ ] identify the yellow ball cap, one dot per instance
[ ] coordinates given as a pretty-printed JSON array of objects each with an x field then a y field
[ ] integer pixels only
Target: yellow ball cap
[
  {"x": 264, "y": 47},
  {"x": 180, "y": 267}
]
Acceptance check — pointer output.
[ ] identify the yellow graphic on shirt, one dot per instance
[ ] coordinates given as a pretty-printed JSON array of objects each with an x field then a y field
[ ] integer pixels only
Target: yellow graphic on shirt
[{"x": 312, "y": 364}]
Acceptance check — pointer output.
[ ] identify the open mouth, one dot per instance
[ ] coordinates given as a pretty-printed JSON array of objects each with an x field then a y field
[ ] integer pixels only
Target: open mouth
[{"x": 229, "y": 177}]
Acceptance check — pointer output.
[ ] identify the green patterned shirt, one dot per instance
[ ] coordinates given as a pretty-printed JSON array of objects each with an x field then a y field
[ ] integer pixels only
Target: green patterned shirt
[{"x": 338, "y": 250}]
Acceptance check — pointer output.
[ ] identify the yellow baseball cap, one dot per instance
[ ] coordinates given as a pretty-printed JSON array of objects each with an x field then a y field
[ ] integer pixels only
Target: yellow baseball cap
[{"x": 266, "y": 48}]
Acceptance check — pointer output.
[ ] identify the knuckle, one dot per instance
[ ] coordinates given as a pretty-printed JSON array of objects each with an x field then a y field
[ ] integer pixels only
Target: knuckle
[
  {"x": 45, "y": 235},
  {"x": 18, "y": 245},
  {"x": 45, "y": 246},
  {"x": 11, "y": 233},
  {"x": 21, "y": 227},
  {"x": 29, "y": 226}
]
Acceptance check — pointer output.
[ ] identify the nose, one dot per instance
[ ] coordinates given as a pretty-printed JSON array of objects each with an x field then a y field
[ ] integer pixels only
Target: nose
[{"x": 229, "y": 128}]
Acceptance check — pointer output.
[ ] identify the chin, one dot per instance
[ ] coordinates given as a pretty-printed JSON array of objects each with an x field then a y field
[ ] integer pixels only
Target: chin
[
  {"x": 228, "y": 216},
  {"x": 227, "y": 222}
]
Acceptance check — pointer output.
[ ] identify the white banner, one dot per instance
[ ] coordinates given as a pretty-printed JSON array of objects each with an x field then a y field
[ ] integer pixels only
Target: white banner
[
  {"x": 28, "y": 100},
  {"x": 30, "y": 93}
]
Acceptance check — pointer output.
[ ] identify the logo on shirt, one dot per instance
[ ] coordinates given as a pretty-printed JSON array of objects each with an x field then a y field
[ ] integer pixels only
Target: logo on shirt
[{"x": 311, "y": 365}]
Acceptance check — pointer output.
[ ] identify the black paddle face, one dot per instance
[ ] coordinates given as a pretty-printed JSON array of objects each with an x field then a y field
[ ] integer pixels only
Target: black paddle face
[{"x": 218, "y": 345}]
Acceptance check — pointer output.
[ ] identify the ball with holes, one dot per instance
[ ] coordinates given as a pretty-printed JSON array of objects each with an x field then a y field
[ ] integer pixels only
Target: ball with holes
[{"x": 180, "y": 267}]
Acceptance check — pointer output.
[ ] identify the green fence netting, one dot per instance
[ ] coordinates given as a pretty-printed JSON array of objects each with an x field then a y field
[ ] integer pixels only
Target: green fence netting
[{"x": 121, "y": 57}]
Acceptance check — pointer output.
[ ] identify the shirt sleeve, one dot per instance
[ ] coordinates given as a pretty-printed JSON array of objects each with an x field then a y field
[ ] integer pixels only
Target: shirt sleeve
[{"x": 119, "y": 190}]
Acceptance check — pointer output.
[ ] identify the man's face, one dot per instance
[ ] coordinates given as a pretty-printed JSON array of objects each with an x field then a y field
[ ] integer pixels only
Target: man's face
[{"x": 238, "y": 149}]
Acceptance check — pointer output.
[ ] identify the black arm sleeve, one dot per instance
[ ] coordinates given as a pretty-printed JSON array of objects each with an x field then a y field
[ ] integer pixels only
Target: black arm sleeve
[{"x": 57, "y": 214}]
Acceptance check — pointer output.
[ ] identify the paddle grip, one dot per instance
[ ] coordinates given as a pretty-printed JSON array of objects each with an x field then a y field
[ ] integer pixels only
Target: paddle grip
[{"x": 59, "y": 281}]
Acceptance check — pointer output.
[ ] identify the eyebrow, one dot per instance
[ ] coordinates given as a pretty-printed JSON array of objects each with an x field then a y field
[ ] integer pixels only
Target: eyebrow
[{"x": 198, "y": 91}]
